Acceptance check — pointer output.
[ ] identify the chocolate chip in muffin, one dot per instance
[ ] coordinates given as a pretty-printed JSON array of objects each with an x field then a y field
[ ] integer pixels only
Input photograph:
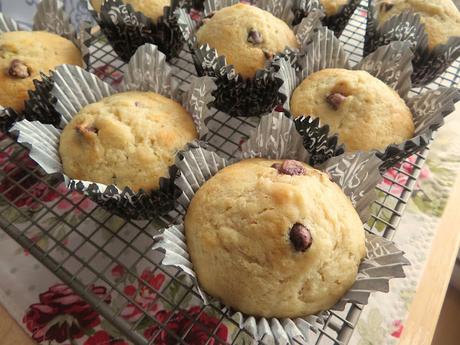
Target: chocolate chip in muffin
[
  {"x": 386, "y": 6},
  {"x": 18, "y": 69},
  {"x": 335, "y": 99},
  {"x": 290, "y": 167},
  {"x": 300, "y": 237},
  {"x": 268, "y": 54},
  {"x": 254, "y": 36}
]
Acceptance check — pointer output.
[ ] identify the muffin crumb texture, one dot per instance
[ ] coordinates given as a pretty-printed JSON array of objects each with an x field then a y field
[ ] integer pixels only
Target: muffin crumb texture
[
  {"x": 366, "y": 113},
  {"x": 23, "y": 55},
  {"x": 247, "y": 36},
  {"x": 441, "y": 17},
  {"x": 272, "y": 244},
  {"x": 128, "y": 139}
]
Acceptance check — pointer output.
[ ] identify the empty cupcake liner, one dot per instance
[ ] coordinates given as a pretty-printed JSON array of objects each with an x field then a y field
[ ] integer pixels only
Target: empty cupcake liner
[
  {"x": 75, "y": 88},
  {"x": 336, "y": 22},
  {"x": 127, "y": 29},
  {"x": 236, "y": 95},
  {"x": 392, "y": 65},
  {"x": 51, "y": 17},
  {"x": 427, "y": 64},
  {"x": 357, "y": 174}
]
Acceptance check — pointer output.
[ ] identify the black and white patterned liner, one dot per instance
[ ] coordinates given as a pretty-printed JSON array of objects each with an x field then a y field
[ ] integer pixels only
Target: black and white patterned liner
[
  {"x": 75, "y": 88},
  {"x": 236, "y": 95},
  {"x": 357, "y": 174},
  {"x": 392, "y": 65},
  {"x": 336, "y": 22},
  {"x": 127, "y": 29},
  {"x": 427, "y": 65},
  {"x": 51, "y": 17}
]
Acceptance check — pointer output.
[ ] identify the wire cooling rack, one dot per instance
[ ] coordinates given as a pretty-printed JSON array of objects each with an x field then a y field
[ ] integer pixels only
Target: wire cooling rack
[{"x": 86, "y": 246}]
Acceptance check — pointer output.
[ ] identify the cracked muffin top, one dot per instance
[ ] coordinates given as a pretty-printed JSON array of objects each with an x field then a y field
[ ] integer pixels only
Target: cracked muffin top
[
  {"x": 247, "y": 36},
  {"x": 274, "y": 238},
  {"x": 23, "y": 55},
  {"x": 127, "y": 139},
  {"x": 441, "y": 17},
  {"x": 366, "y": 113}
]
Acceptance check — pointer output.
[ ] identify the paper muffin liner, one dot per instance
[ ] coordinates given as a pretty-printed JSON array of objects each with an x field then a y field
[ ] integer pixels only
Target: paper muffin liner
[
  {"x": 427, "y": 64},
  {"x": 236, "y": 95},
  {"x": 357, "y": 174},
  {"x": 336, "y": 22},
  {"x": 75, "y": 88},
  {"x": 51, "y": 17},
  {"x": 392, "y": 65},
  {"x": 127, "y": 29}
]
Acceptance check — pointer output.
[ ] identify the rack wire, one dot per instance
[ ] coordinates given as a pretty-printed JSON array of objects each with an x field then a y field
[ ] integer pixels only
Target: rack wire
[{"x": 83, "y": 244}]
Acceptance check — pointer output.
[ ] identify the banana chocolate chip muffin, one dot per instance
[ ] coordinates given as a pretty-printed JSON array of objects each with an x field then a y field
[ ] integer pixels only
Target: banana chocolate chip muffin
[
  {"x": 274, "y": 238},
  {"x": 150, "y": 8},
  {"x": 441, "y": 17},
  {"x": 127, "y": 139},
  {"x": 247, "y": 36},
  {"x": 23, "y": 55},
  {"x": 366, "y": 113}
]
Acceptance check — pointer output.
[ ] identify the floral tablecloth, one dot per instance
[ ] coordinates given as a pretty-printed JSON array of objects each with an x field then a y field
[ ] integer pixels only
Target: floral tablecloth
[{"x": 53, "y": 314}]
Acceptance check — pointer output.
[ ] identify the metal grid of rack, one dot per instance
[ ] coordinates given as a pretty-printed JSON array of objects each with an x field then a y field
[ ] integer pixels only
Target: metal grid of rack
[{"x": 102, "y": 241}]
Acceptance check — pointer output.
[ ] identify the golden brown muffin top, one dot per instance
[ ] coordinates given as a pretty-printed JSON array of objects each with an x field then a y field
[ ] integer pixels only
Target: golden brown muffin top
[
  {"x": 247, "y": 36},
  {"x": 366, "y": 113},
  {"x": 127, "y": 139},
  {"x": 23, "y": 55},
  {"x": 274, "y": 238}
]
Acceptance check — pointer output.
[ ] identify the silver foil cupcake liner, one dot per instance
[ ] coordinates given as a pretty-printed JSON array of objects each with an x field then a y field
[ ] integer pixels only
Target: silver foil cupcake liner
[
  {"x": 427, "y": 64},
  {"x": 357, "y": 174},
  {"x": 236, "y": 95},
  {"x": 392, "y": 65},
  {"x": 51, "y": 17},
  {"x": 127, "y": 29},
  {"x": 335, "y": 22},
  {"x": 75, "y": 88}
]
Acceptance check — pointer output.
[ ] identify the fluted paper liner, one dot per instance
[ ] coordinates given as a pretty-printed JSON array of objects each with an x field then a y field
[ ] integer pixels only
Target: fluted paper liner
[
  {"x": 51, "y": 17},
  {"x": 336, "y": 22},
  {"x": 428, "y": 64},
  {"x": 392, "y": 65},
  {"x": 236, "y": 95},
  {"x": 127, "y": 29},
  {"x": 383, "y": 261},
  {"x": 75, "y": 88}
]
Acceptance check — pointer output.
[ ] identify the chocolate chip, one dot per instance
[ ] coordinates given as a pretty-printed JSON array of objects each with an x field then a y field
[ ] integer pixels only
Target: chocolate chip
[
  {"x": 268, "y": 54},
  {"x": 300, "y": 237},
  {"x": 84, "y": 129},
  {"x": 290, "y": 167},
  {"x": 254, "y": 36},
  {"x": 386, "y": 6},
  {"x": 18, "y": 69},
  {"x": 335, "y": 99}
]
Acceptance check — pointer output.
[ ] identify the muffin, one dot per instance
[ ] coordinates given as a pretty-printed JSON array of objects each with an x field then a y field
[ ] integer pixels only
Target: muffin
[
  {"x": 247, "y": 36},
  {"x": 441, "y": 17},
  {"x": 274, "y": 238},
  {"x": 366, "y": 113},
  {"x": 150, "y": 8},
  {"x": 128, "y": 139},
  {"x": 24, "y": 55},
  {"x": 332, "y": 7}
]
